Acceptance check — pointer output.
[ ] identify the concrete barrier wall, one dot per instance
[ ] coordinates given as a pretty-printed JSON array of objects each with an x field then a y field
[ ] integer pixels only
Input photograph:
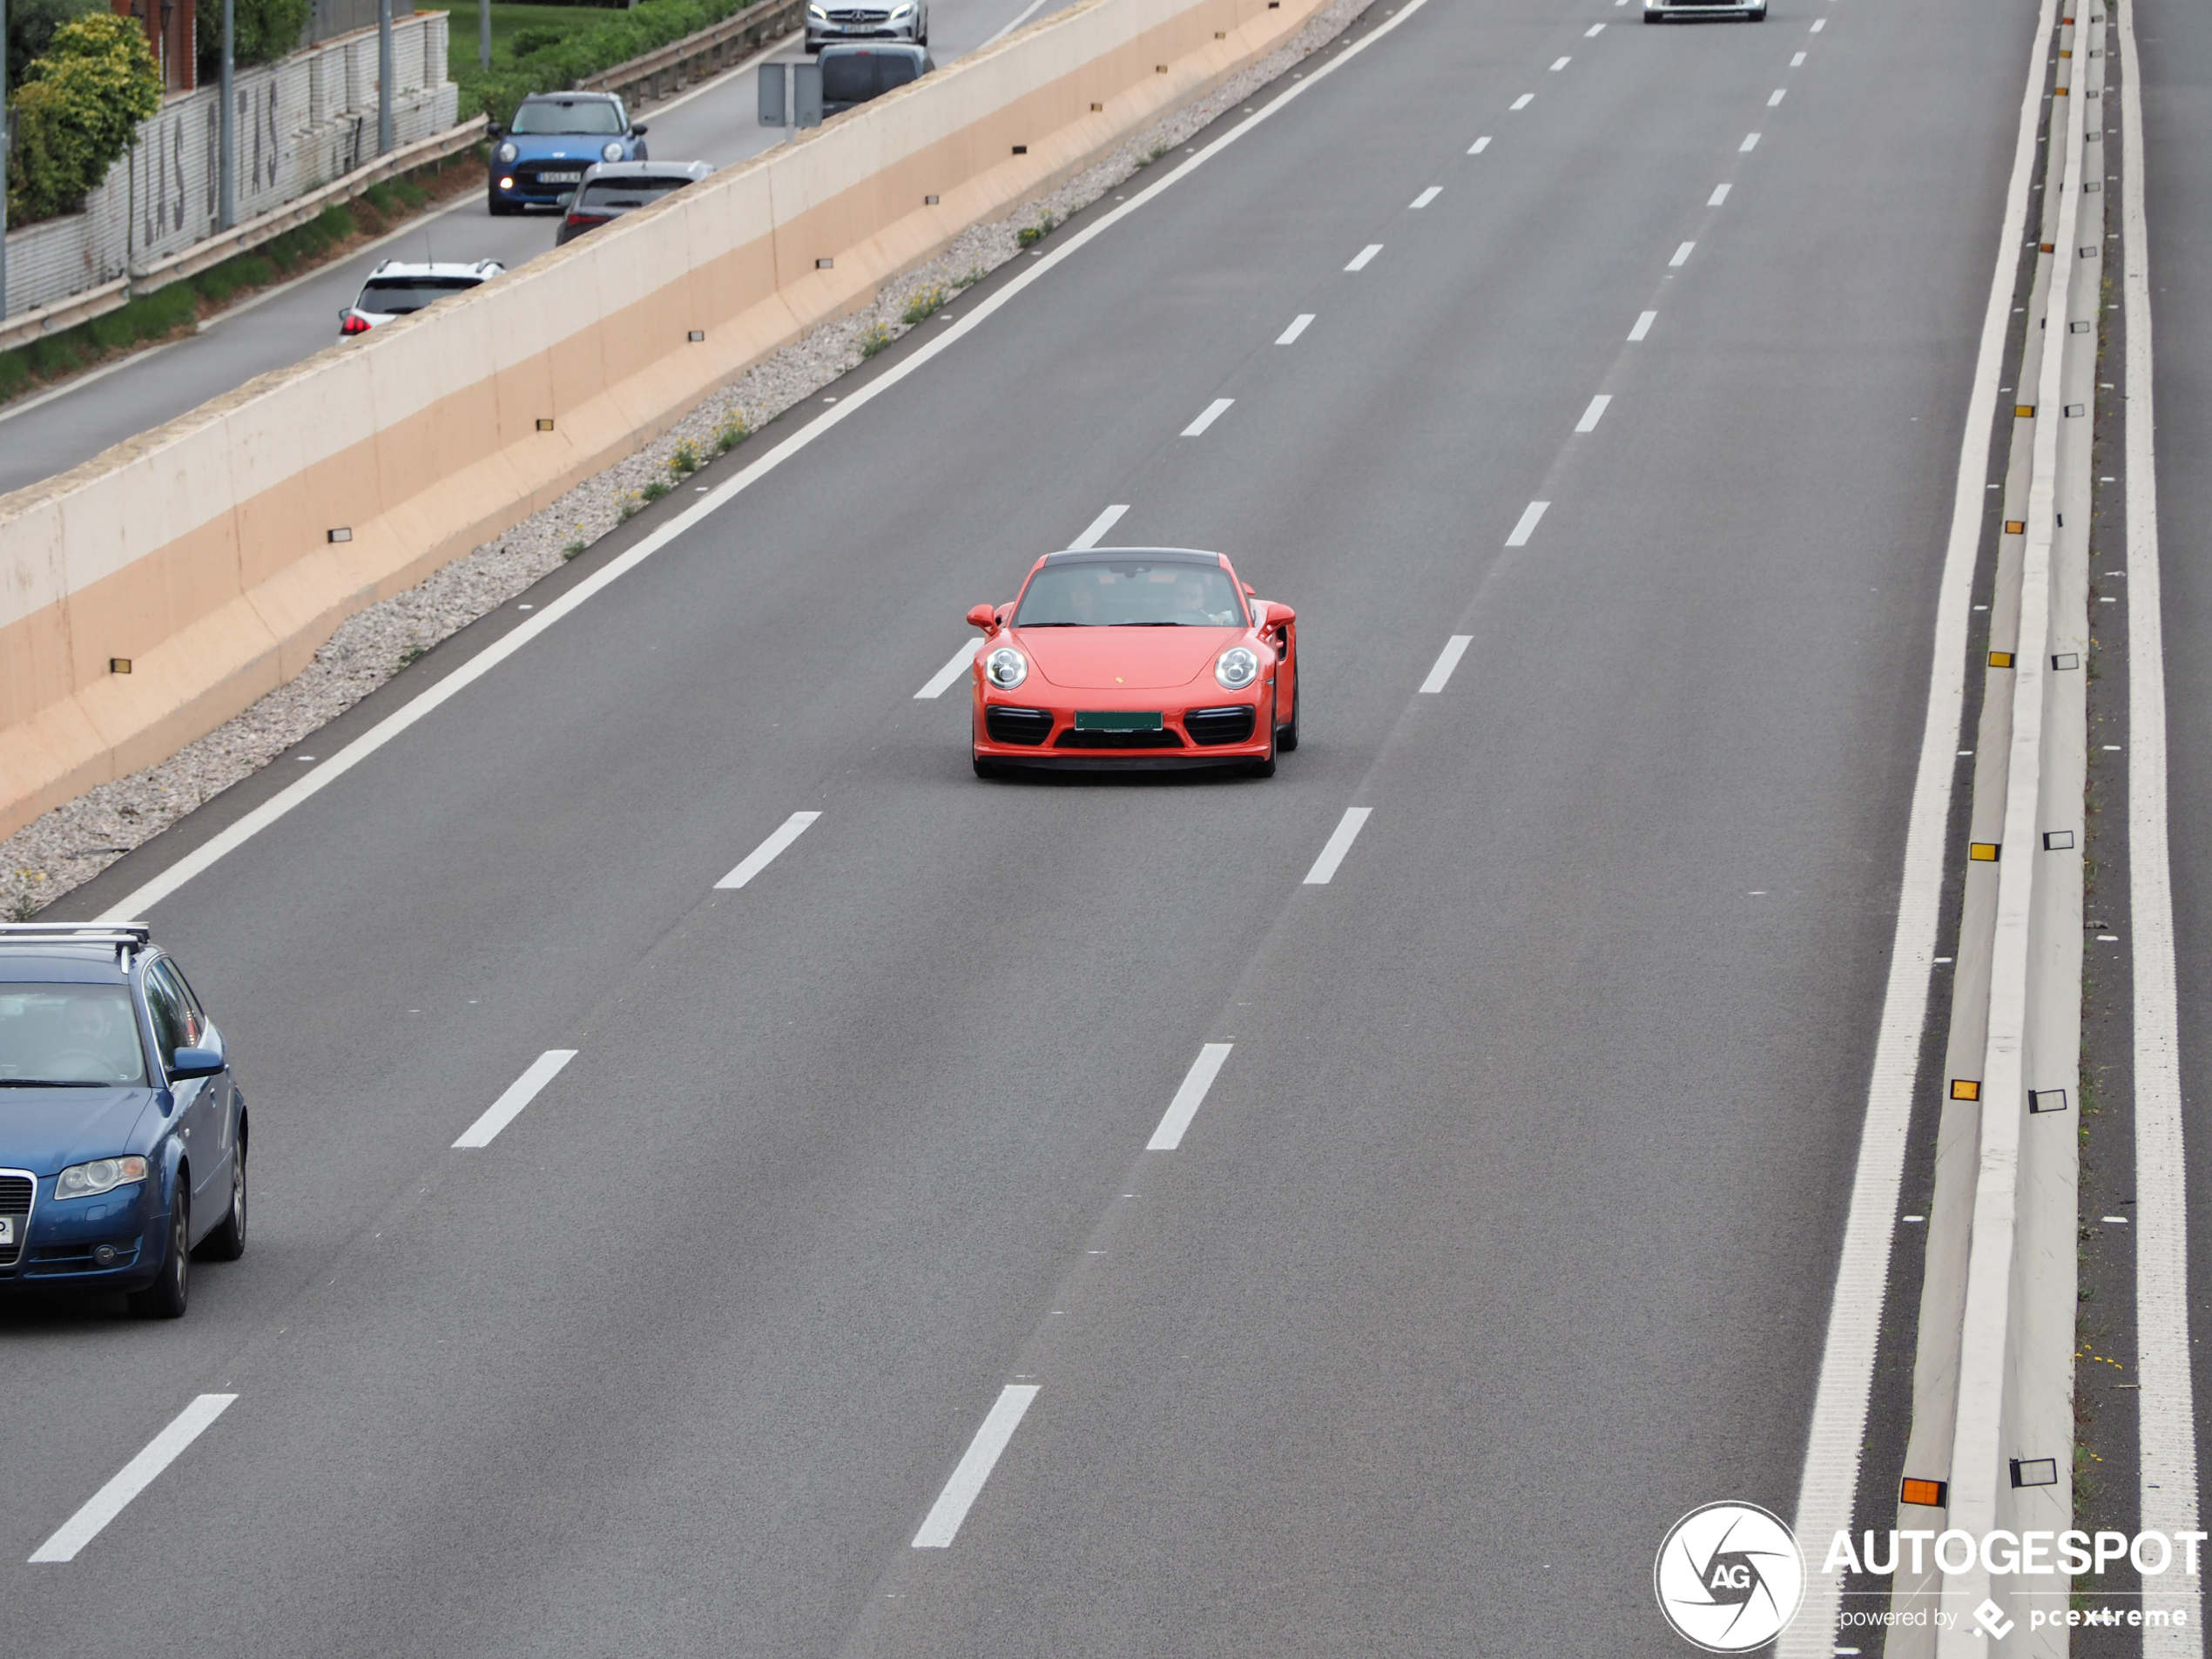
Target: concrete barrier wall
[{"x": 202, "y": 551}]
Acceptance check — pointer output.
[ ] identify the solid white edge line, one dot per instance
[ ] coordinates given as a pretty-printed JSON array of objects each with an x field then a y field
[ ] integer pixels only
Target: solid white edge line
[
  {"x": 1188, "y": 1098},
  {"x": 1298, "y": 324},
  {"x": 159, "y": 886},
  {"x": 1681, "y": 254},
  {"x": 1531, "y": 516},
  {"x": 517, "y": 1094},
  {"x": 1339, "y": 843},
  {"x": 1828, "y": 1486},
  {"x": 1595, "y": 412},
  {"x": 1425, "y": 197},
  {"x": 1360, "y": 260},
  {"x": 963, "y": 660},
  {"x": 2167, "y": 1424},
  {"x": 133, "y": 1478},
  {"x": 762, "y": 856},
  {"x": 1099, "y": 527},
  {"x": 1643, "y": 325},
  {"x": 1021, "y": 18},
  {"x": 942, "y": 1524},
  {"x": 1446, "y": 660},
  {"x": 1212, "y": 412},
  {"x": 1479, "y": 145}
]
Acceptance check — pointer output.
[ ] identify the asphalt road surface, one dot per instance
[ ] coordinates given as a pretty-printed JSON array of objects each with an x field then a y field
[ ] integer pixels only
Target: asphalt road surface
[
  {"x": 718, "y": 123},
  {"x": 1504, "y": 1234}
]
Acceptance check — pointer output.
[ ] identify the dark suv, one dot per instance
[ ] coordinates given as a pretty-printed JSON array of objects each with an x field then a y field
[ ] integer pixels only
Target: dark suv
[
  {"x": 854, "y": 74},
  {"x": 122, "y": 1134}
]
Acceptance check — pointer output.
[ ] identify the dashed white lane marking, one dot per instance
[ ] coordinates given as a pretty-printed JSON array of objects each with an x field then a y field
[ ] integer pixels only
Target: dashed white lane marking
[
  {"x": 1523, "y": 101},
  {"x": 1681, "y": 254},
  {"x": 133, "y": 1478},
  {"x": 1562, "y": 63},
  {"x": 1818, "y": 23},
  {"x": 762, "y": 856},
  {"x": 1099, "y": 526},
  {"x": 1190, "y": 1097},
  {"x": 1719, "y": 195},
  {"x": 1479, "y": 145},
  {"x": 1797, "y": 62},
  {"x": 1751, "y": 143},
  {"x": 1297, "y": 326},
  {"x": 975, "y": 1465},
  {"x": 1777, "y": 98},
  {"x": 1446, "y": 660},
  {"x": 1526, "y": 527},
  {"x": 1212, "y": 412},
  {"x": 1594, "y": 31},
  {"x": 519, "y": 1094},
  {"x": 1643, "y": 325},
  {"x": 962, "y": 660},
  {"x": 1360, "y": 260},
  {"x": 1595, "y": 412},
  {"x": 1340, "y": 843},
  {"x": 1429, "y": 196}
]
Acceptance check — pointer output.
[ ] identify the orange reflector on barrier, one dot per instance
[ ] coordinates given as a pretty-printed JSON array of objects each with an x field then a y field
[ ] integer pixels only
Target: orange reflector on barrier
[
  {"x": 2000, "y": 660},
  {"x": 1928, "y": 1493},
  {"x": 1965, "y": 1088},
  {"x": 1982, "y": 852}
]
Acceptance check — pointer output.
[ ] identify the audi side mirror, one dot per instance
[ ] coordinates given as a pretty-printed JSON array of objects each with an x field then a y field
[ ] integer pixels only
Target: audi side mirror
[
  {"x": 195, "y": 1063},
  {"x": 985, "y": 618}
]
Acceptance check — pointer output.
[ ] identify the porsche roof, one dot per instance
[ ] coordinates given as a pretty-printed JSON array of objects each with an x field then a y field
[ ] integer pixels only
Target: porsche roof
[{"x": 1183, "y": 555}]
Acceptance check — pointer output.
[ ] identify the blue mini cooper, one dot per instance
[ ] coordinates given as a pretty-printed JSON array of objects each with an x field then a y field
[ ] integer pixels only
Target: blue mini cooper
[
  {"x": 122, "y": 1135},
  {"x": 537, "y": 160}
]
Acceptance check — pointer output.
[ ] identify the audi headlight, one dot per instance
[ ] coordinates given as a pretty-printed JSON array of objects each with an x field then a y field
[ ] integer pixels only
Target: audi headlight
[
  {"x": 507, "y": 153},
  {"x": 101, "y": 1174},
  {"x": 1237, "y": 668},
  {"x": 1006, "y": 668}
]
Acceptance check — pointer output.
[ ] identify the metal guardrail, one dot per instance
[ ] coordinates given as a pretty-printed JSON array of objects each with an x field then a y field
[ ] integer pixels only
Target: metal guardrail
[{"x": 110, "y": 296}]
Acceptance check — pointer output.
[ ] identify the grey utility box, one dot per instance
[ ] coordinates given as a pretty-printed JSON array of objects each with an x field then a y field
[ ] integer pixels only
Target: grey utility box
[{"x": 789, "y": 90}]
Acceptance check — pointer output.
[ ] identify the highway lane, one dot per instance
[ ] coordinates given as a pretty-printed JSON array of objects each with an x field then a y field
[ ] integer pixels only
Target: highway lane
[
  {"x": 1503, "y": 1236},
  {"x": 718, "y": 123},
  {"x": 2176, "y": 45}
]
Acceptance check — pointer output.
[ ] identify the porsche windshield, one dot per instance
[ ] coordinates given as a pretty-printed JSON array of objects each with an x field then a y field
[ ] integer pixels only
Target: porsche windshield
[
  {"x": 1130, "y": 593},
  {"x": 68, "y": 1033}
]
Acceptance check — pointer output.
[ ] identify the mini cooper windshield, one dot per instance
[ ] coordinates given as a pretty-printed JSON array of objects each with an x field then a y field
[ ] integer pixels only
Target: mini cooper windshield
[
  {"x": 1130, "y": 593},
  {"x": 68, "y": 1035}
]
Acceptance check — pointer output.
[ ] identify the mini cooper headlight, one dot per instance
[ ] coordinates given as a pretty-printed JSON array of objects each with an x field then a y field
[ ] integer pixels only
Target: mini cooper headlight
[
  {"x": 1006, "y": 668},
  {"x": 1237, "y": 668},
  {"x": 611, "y": 151},
  {"x": 507, "y": 153},
  {"x": 101, "y": 1174}
]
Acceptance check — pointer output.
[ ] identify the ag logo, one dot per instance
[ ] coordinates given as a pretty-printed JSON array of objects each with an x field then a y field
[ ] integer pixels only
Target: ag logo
[{"x": 1728, "y": 1577}]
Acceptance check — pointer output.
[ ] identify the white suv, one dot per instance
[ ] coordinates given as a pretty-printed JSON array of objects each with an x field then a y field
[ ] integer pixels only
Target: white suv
[{"x": 393, "y": 289}]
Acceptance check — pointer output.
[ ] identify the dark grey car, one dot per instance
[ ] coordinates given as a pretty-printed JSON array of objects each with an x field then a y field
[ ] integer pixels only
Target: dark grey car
[
  {"x": 854, "y": 74},
  {"x": 610, "y": 189}
]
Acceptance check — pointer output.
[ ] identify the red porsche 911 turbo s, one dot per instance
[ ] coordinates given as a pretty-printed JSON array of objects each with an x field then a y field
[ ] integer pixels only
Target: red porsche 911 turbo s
[{"x": 1134, "y": 657}]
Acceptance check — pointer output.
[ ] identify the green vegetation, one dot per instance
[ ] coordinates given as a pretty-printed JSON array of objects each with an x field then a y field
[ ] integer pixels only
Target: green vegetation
[
  {"x": 261, "y": 32},
  {"x": 1033, "y": 234},
  {"x": 685, "y": 461},
  {"x": 925, "y": 303},
  {"x": 79, "y": 108},
  {"x": 876, "y": 337},
  {"x": 734, "y": 433},
  {"x": 164, "y": 312},
  {"x": 30, "y": 30},
  {"x": 550, "y": 48},
  {"x": 655, "y": 490}
]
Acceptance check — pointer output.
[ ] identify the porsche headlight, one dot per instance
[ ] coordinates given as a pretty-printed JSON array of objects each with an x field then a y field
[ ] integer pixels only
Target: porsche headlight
[
  {"x": 610, "y": 151},
  {"x": 507, "y": 153},
  {"x": 1006, "y": 668},
  {"x": 1237, "y": 667},
  {"x": 101, "y": 1174}
]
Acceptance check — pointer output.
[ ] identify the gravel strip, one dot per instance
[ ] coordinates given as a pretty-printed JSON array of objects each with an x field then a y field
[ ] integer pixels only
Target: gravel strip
[{"x": 75, "y": 842}]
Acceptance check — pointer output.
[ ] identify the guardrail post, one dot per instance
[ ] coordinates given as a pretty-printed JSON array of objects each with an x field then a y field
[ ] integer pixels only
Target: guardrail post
[
  {"x": 383, "y": 74},
  {"x": 226, "y": 126}
]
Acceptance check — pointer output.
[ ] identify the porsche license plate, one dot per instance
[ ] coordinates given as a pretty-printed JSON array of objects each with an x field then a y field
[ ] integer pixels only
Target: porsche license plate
[
  {"x": 558, "y": 177},
  {"x": 1117, "y": 721}
]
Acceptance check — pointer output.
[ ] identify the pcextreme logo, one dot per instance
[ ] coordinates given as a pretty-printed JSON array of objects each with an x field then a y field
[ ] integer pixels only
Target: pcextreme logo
[{"x": 1728, "y": 1577}]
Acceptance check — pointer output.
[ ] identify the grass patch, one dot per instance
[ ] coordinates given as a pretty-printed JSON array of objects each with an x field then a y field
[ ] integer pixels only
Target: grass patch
[
  {"x": 1032, "y": 234},
  {"x": 733, "y": 432},
  {"x": 926, "y": 304},
  {"x": 685, "y": 461},
  {"x": 655, "y": 490},
  {"x": 876, "y": 337}
]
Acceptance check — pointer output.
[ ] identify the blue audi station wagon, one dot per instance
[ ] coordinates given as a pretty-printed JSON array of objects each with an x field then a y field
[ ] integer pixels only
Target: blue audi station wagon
[
  {"x": 539, "y": 158},
  {"x": 123, "y": 1135}
]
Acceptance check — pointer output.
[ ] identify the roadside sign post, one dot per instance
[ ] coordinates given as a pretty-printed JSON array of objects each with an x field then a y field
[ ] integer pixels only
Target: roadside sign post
[
  {"x": 7, "y": 142},
  {"x": 483, "y": 34},
  {"x": 383, "y": 73},
  {"x": 227, "y": 128}
]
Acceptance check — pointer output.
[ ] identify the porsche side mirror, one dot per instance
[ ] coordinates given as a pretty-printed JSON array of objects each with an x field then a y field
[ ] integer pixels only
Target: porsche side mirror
[
  {"x": 983, "y": 616},
  {"x": 1250, "y": 592}
]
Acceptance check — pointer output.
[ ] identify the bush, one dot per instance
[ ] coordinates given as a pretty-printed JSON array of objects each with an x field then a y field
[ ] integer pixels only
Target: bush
[
  {"x": 30, "y": 29},
  {"x": 261, "y": 32},
  {"x": 79, "y": 109}
]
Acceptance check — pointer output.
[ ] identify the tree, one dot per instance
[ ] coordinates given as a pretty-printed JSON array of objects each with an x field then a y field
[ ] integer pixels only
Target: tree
[
  {"x": 79, "y": 109},
  {"x": 30, "y": 29},
  {"x": 261, "y": 32}
]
